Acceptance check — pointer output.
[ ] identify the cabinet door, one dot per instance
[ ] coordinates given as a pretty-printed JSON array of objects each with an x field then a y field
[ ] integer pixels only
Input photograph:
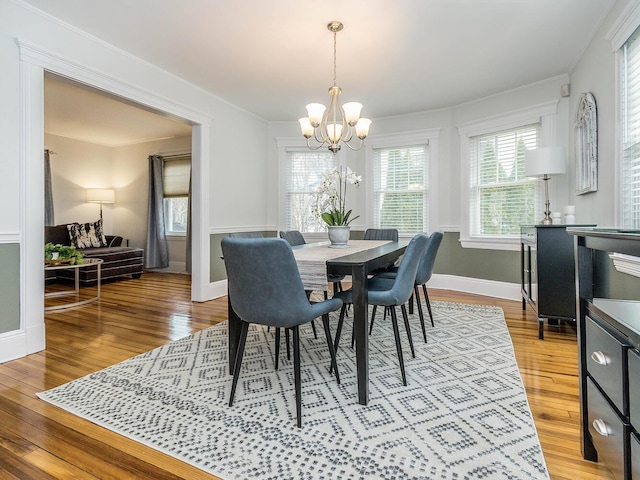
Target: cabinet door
[{"x": 634, "y": 389}]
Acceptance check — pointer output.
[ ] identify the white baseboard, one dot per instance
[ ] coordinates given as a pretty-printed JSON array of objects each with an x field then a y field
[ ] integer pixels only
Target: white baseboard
[
  {"x": 478, "y": 286},
  {"x": 19, "y": 343}
]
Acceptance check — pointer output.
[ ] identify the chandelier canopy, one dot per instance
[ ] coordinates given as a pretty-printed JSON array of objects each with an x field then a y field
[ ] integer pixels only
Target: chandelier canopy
[{"x": 338, "y": 123}]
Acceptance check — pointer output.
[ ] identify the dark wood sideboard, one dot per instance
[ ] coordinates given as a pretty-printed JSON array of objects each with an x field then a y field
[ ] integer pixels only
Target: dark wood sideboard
[
  {"x": 609, "y": 357},
  {"x": 548, "y": 272}
]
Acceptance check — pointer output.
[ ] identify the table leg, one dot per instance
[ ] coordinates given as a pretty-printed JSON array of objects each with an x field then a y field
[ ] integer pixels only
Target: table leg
[{"x": 360, "y": 313}]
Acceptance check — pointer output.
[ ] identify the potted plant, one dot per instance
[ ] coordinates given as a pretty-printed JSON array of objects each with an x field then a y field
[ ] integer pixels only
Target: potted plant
[
  {"x": 61, "y": 254},
  {"x": 331, "y": 203}
]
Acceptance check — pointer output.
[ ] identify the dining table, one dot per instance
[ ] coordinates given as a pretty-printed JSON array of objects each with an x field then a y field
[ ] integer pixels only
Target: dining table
[{"x": 358, "y": 259}]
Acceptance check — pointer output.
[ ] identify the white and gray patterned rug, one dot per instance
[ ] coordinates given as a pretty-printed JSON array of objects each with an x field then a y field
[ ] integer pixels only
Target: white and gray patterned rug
[{"x": 463, "y": 415}]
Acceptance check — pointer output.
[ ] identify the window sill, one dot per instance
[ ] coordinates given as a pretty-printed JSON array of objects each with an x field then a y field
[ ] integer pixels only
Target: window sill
[{"x": 509, "y": 244}]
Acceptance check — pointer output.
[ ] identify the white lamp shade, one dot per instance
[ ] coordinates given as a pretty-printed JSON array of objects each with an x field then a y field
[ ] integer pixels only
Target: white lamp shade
[
  {"x": 101, "y": 195},
  {"x": 315, "y": 112},
  {"x": 305, "y": 127},
  {"x": 362, "y": 128},
  {"x": 333, "y": 131},
  {"x": 544, "y": 161},
  {"x": 352, "y": 112}
]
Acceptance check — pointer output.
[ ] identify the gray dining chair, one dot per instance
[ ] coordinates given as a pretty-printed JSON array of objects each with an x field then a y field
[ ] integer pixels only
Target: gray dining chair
[
  {"x": 425, "y": 271},
  {"x": 391, "y": 293},
  {"x": 295, "y": 238},
  {"x": 265, "y": 289},
  {"x": 381, "y": 234},
  {"x": 246, "y": 235}
]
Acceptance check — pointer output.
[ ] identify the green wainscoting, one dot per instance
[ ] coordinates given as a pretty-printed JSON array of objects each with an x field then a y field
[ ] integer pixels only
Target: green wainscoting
[
  {"x": 9, "y": 287},
  {"x": 217, "y": 271},
  {"x": 495, "y": 265}
]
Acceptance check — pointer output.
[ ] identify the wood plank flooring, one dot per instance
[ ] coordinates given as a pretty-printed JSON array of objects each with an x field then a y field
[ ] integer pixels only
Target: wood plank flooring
[{"x": 39, "y": 441}]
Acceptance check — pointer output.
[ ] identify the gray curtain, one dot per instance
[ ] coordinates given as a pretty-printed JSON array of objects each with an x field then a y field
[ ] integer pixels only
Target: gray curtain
[
  {"x": 156, "y": 254},
  {"x": 48, "y": 191},
  {"x": 188, "y": 246}
]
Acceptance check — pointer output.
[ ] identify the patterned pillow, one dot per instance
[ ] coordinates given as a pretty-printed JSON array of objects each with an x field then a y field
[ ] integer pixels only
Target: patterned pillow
[{"x": 86, "y": 235}]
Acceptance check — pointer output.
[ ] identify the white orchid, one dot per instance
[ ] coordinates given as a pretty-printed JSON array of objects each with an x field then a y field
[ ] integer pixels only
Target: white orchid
[{"x": 331, "y": 196}]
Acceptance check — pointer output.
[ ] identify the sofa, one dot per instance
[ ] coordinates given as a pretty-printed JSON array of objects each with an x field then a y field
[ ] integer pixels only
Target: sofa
[{"x": 118, "y": 261}]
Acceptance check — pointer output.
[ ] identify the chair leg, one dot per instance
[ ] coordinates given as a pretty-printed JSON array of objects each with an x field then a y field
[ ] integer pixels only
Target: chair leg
[
  {"x": 286, "y": 334},
  {"x": 313, "y": 326},
  {"x": 420, "y": 312},
  {"x": 239, "y": 354},
  {"x": 296, "y": 374},
  {"x": 373, "y": 317},
  {"x": 426, "y": 300},
  {"x": 411, "y": 303},
  {"x": 327, "y": 332},
  {"x": 277, "y": 346},
  {"x": 336, "y": 341},
  {"x": 407, "y": 328},
  {"x": 396, "y": 334}
]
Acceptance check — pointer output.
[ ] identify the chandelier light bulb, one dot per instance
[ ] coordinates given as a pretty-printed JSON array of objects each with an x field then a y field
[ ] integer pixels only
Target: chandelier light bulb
[
  {"x": 305, "y": 127},
  {"x": 315, "y": 112},
  {"x": 333, "y": 131},
  {"x": 352, "y": 112},
  {"x": 362, "y": 128}
]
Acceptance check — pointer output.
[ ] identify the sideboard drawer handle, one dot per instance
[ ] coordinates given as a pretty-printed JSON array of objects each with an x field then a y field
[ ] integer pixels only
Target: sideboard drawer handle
[
  {"x": 600, "y": 358},
  {"x": 601, "y": 427}
]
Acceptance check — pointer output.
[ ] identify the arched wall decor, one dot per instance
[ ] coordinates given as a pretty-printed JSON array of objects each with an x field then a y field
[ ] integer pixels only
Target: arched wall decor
[{"x": 586, "y": 145}]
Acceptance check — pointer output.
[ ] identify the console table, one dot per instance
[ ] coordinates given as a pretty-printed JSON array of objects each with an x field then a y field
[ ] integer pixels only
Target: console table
[
  {"x": 609, "y": 358},
  {"x": 547, "y": 272},
  {"x": 88, "y": 262}
]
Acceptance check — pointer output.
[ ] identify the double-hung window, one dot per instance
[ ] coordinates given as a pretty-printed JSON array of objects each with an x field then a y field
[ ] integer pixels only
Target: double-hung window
[
  {"x": 176, "y": 177},
  {"x": 497, "y": 197},
  {"x": 303, "y": 174},
  {"x": 400, "y": 188},
  {"x": 629, "y": 56},
  {"x": 501, "y": 197}
]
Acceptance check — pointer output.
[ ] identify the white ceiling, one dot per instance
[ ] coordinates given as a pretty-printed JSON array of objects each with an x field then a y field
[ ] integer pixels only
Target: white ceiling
[{"x": 272, "y": 57}]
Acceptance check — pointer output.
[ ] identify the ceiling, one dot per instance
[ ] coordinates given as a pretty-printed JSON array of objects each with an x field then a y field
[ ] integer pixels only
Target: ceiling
[{"x": 272, "y": 57}]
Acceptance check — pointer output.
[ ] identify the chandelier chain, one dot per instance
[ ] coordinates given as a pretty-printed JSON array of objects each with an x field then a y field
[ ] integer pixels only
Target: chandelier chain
[{"x": 334, "y": 57}]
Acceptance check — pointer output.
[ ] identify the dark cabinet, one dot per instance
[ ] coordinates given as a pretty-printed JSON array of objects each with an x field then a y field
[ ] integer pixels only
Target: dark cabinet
[
  {"x": 609, "y": 359},
  {"x": 548, "y": 273}
]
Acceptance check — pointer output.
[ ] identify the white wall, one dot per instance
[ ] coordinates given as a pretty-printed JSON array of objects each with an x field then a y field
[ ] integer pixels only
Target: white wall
[{"x": 233, "y": 141}]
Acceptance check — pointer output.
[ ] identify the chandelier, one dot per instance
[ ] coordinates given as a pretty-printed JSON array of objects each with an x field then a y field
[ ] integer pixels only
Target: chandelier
[{"x": 338, "y": 123}]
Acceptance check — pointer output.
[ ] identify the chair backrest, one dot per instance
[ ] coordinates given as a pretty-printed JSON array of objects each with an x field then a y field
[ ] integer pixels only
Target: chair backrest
[
  {"x": 246, "y": 235},
  {"x": 264, "y": 282},
  {"x": 294, "y": 237},
  {"x": 406, "y": 276},
  {"x": 381, "y": 234},
  {"x": 425, "y": 270}
]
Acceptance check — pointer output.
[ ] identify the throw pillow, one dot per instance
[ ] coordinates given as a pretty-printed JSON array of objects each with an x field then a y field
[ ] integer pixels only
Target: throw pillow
[{"x": 87, "y": 235}]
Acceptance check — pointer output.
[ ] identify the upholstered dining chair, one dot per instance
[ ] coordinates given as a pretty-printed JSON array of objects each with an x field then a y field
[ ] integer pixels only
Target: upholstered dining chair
[
  {"x": 265, "y": 288},
  {"x": 425, "y": 271},
  {"x": 294, "y": 237},
  {"x": 246, "y": 235},
  {"x": 381, "y": 234},
  {"x": 391, "y": 294}
]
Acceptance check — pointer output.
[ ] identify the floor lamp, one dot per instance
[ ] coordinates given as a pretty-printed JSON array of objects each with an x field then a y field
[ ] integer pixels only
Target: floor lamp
[
  {"x": 544, "y": 162},
  {"x": 101, "y": 196}
]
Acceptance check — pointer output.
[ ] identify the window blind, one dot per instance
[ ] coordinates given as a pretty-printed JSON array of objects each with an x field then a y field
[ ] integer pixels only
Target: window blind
[
  {"x": 630, "y": 103},
  {"x": 303, "y": 175},
  {"x": 502, "y": 198},
  {"x": 176, "y": 176},
  {"x": 400, "y": 184}
]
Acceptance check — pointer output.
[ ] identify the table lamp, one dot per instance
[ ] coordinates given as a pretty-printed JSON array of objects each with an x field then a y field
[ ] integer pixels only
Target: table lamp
[
  {"x": 543, "y": 162},
  {"x": 101, "y": 195}
]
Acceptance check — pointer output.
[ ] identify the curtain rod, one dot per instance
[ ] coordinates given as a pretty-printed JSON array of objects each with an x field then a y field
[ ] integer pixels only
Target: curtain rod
[
  {"x": 176, "y": 155},
  {"x": 51, "y": 152}
]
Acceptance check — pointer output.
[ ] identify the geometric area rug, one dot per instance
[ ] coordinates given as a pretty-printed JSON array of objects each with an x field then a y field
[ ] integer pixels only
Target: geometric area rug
[{"x": 463, "y": 414}]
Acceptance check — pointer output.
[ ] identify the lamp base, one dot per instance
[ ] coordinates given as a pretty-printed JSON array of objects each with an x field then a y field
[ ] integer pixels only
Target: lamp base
[{"x": 546, "y": 221}]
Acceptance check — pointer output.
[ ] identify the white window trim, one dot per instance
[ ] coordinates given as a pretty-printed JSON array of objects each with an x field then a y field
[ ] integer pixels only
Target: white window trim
[
  {"x": 287, "y": 144},
  {"x": 429, "y": 137},
  {"x": 618, "y": 34},
  {"x": 545, "y": 114}
]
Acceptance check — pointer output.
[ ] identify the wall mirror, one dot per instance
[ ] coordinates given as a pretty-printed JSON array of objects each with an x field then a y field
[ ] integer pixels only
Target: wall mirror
[{"x": 586, "y": 145}]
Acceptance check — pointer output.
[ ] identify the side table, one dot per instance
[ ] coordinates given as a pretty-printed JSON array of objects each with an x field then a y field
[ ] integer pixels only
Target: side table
[{"x": 87, "y": 262}]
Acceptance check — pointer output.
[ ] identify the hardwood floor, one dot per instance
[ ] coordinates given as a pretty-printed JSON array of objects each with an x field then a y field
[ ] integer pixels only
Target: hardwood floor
[{"x": 38, "y": 440}]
